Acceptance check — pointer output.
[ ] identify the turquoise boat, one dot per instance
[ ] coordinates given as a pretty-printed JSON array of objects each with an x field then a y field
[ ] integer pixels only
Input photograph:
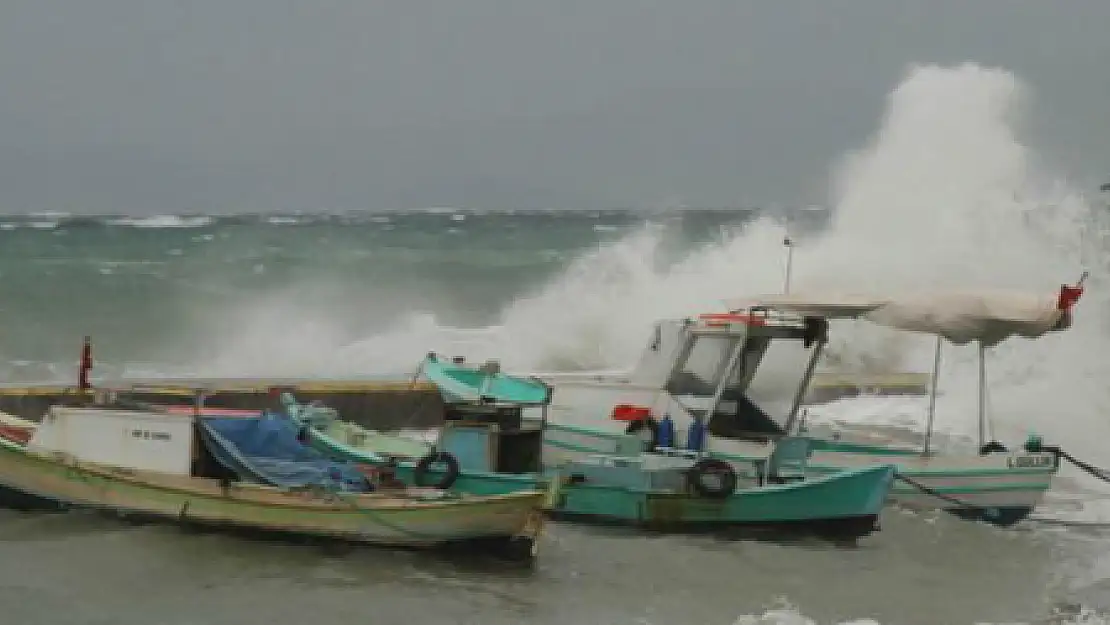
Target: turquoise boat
[
  {"x": 488, "y": 447},
  {"x": 459, "y": 383}
]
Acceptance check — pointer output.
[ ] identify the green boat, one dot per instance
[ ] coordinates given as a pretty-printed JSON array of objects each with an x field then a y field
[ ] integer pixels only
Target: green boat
[
  {"x": 487, "y": 447},
  {"x": 460, "y": 384},
  {"x": 379, "y": 447}
]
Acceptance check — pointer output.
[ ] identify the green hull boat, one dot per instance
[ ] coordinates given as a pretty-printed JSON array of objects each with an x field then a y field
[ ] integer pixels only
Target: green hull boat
[
  {"x": 487, "y": 448},
  {"x": 459, "y": 383}
]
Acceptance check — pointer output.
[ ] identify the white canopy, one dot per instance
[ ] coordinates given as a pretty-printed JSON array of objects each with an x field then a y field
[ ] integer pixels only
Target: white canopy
[{"x": 959, "y": 317}]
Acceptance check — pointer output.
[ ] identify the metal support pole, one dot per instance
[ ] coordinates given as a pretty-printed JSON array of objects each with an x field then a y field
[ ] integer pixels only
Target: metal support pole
[{"x": 932, "y": 397}]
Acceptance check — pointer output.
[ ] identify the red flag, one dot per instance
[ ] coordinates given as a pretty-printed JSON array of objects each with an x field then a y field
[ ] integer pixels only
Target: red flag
[{"x": 1069, "y": 295}]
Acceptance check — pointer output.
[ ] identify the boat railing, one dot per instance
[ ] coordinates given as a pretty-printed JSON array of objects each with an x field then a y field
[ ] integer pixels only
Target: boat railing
[
  {"x": 745, "y": 318},
  {"x": 679, "y": 452}
]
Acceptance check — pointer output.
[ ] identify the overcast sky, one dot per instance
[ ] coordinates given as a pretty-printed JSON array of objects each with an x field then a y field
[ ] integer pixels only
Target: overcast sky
[{"x": 154, "y": 106}]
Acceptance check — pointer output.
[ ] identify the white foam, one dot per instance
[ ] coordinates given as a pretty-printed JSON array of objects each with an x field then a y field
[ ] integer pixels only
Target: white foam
[
  {"x": 162, "y": 221},
  {"x": 791, "y": 616},
  {"x": 283, "y": 220}
]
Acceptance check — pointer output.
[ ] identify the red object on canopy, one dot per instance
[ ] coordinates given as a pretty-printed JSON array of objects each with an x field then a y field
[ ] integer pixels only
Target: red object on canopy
[
  {"x": 724, "y": 319},
  {"x": 1069, "y": 295}
]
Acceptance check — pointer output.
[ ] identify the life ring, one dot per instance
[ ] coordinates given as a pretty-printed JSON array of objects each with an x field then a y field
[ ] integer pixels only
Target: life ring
[
  {"x": 719, "y": 488},
  {"x": 992, "y": 447},
  {"x": 640, "y": 424},
  {"x": 422, "y": 467}
]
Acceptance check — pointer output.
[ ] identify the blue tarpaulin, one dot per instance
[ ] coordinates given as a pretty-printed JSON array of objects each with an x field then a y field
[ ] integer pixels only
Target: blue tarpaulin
[{"x": 265, "y": 449}]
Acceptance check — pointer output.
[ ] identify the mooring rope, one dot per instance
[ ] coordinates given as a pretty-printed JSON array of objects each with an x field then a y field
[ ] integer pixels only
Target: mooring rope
[
  {"x": 1096, "y": 472},
  {"x": 933, "y": 492},
  {"x": 1086, "y": 467}
]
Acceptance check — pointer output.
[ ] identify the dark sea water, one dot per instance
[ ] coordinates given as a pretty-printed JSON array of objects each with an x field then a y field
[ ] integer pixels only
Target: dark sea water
[{"x": 75, "y": 569}]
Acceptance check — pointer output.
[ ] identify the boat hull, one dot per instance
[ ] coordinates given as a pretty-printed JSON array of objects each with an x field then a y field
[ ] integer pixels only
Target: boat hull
[
  {"x": 844, "y": 504},
  {"x": 983, "y": 488},
  {"x": 30, "y": 480},
  {"x": 986, "y": 488},
  {"x": 471, "y": 482},
  {"x": 463, "y": 384}
]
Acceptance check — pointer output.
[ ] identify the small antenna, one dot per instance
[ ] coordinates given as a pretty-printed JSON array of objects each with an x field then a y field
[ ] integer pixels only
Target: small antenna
[{"x": 789, "y": 243}]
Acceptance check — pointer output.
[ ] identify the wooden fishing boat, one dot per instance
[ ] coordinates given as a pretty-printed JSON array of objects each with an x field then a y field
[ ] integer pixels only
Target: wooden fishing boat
[{"x": 246, "y": 473}]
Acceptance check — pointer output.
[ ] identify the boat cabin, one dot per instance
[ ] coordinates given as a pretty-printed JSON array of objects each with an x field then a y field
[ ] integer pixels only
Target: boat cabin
[
  {"x": 259, "y": 449},
  {"x": 139, "y": 440},
  {"x": 493, "y": 437},
  {"x": 739, "y": 375},
  {"x": 132, "y": 438}
]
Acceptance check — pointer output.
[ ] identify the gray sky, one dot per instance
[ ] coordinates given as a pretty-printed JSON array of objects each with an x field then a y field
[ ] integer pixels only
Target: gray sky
[{"x": 152, "y": 106}]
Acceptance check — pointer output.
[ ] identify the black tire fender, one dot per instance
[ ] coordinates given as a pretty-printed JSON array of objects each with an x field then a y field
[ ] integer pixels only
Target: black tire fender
[
  {"x": 712, "y": 489},
  {"x": 420, "y": 472},
  {"x": 992, "y": 447}
]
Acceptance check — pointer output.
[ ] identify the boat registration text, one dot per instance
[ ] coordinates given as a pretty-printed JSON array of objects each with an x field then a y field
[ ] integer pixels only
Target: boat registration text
[{"x": 1030, "y": 462}]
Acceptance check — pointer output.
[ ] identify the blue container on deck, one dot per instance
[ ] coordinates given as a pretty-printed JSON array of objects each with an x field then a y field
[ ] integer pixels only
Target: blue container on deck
[
  {"x": 695, "y": 435},
  {"x": 665, "y": 438}
]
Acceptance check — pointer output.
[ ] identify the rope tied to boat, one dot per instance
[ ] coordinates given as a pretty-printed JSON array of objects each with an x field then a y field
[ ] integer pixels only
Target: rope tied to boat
[
  {"x": 1098, "y": 473},
  {"x": 376, "y": 517},
  {"x": 1086, "y": 467},
  {"x": 933, "y": 492}
]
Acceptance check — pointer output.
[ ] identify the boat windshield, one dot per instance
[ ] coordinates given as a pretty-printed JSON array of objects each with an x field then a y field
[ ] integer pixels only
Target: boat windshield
[
  {"x": 778, "y": 377},
  {"x": 704, "y": 366}
]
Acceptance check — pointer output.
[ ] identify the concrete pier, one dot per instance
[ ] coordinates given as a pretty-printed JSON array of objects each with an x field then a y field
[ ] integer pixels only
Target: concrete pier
[{"x": 375, "y": 404}]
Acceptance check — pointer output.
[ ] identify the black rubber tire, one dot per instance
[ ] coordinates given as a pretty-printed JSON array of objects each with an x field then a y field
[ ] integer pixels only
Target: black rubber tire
[
  {"x": 421, "y": 471},
  {"x": 707, "y": 466},
  {"x": 652, "y": 424},
  {"x": 992, "y": 447}
]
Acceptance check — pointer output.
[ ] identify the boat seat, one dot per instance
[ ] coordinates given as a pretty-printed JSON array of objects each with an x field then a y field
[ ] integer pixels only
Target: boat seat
[{"x": 789, "y": 458}]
